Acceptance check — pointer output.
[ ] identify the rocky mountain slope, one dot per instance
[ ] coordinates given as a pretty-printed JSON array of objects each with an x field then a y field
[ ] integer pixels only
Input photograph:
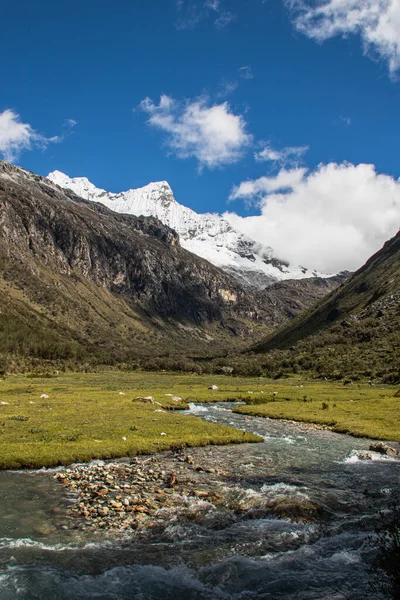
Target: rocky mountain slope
[
  {"x": 76, "y": 277},
  {"x": 207, "y": 235},
  {"x": 290, "y": 297}
]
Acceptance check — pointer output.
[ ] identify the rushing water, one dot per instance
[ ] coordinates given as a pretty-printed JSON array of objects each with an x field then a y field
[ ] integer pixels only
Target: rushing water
[{"x": 254, "y": 556}]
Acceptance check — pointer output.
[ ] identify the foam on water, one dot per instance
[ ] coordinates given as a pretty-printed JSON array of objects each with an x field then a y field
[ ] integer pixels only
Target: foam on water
[
  {"x": 354, "y": 458},
  {"x": 277, "y": 490},
  {"x": 18, "y": 543},
  {"x": 197, "y": 408}
]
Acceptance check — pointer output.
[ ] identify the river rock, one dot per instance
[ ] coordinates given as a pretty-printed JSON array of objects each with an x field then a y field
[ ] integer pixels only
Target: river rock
[
  {"x": 364, "y": 455},
  {"x": 383, "y": 448}
]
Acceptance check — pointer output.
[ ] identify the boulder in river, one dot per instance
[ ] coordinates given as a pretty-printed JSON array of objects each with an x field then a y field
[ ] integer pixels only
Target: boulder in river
[
  {"x": 383, "y": 448},
  {"x": 364, "y": 455}
]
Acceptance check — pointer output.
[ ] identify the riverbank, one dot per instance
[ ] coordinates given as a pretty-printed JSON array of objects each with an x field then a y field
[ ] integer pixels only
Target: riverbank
[
  {"x": 360, "y": 410},
  {"x": 67, "y": 418},
  {"x": 45, "y": 422}
]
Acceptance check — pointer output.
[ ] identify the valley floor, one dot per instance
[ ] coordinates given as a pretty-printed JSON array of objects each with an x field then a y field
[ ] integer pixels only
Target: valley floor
[{"x": 47, "y": 421}]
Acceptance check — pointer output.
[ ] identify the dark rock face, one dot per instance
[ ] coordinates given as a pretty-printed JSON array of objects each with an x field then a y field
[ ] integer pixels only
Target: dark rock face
[
  {"x": 137, "y": 257},
  {"x": 288, "y": 298},
  {"x": 110, "y": 280}
]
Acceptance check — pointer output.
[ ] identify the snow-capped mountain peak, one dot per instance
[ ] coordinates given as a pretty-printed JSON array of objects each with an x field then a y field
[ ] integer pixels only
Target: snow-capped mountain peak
[{"x": 207, "y": 235}]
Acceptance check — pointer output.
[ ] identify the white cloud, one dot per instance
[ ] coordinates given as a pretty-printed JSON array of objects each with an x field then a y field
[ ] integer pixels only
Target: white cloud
[
  {"x": 226, "y": 88},
  {"x": 16, "y": 136},
  {"x": 212, "y": 134},
  {"x": 223, "y": 19},
  {"x": 288, "y": 156},
  {"x": 376, "y": 21},
  {"x": 191, "y": 12},
  {"x": 246, "y": 72},
  {"x": 67, "y": 130},
  {"x": 255, "y": 188},
  {"x": 331, "y": 219}
]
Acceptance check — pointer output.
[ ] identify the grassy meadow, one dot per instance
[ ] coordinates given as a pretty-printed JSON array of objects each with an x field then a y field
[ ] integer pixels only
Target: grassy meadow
[
  {"x": 357, "y": 409},
  {"x": 87, "y": 416}
]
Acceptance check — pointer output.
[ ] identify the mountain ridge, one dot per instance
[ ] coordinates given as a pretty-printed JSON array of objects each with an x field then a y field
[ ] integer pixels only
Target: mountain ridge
[
  {"x": 81, "y": 282},
  {"x": 105, "y": 283},
  {"x": 208, "y": 235}
]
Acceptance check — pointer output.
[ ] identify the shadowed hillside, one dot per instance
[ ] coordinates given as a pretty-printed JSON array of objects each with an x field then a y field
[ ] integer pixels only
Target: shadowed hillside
[{"x": 373, "y": 291}]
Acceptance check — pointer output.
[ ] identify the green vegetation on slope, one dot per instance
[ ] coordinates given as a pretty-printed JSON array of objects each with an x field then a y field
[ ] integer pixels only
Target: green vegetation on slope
[
  {"x": 86, "y": 417},
  {"x": 359, "y": 410},
  {"x": 369, "y": 293}
]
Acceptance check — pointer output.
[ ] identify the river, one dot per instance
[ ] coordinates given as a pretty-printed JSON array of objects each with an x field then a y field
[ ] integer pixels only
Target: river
[{"x": 251, "y": 554}]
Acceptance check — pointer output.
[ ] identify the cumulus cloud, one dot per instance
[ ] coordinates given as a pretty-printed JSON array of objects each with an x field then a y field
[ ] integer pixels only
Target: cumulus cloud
[
  {"x": 16, "y": 136},
  {"x": 288, "y": 156},
  {"x": 258, "y": 188},
  {"x": 212, "y": 134},
  {"x": 376, "y": 21},
  {"x": 330, "y": 219},
  {"x": 191, "y": 12}
]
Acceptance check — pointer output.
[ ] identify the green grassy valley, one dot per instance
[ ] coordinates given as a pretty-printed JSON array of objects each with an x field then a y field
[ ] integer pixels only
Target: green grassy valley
[
  {"x": 78, "y": 417},
  {"x": 46, "y": 421}
]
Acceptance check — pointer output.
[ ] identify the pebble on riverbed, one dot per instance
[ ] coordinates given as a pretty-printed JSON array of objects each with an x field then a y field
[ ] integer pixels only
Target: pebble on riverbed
[{"x": 122, "y": 496}]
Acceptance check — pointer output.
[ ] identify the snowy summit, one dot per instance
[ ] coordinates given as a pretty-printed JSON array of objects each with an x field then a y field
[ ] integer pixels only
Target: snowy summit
[{"x": 207, "y": 235}]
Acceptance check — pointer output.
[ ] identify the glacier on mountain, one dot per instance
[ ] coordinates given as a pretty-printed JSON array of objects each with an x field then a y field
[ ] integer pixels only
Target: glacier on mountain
[{"x": 207, "y": 235}]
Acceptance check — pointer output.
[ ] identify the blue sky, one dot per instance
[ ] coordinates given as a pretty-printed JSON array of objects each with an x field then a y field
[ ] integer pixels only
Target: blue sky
[{"x": 229, "y": 84}]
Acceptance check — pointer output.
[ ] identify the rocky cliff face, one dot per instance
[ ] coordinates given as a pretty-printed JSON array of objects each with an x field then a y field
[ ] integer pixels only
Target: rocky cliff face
[{"x": 209, "y": 236}]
